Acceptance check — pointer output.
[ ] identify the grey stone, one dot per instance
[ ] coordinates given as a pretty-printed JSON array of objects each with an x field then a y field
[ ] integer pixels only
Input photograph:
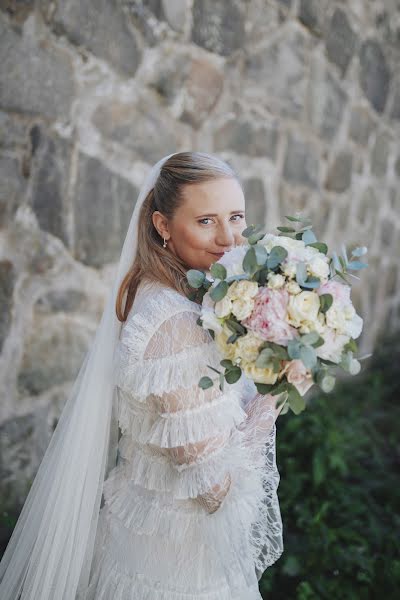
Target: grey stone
[
  {"x": 339, "y": 174},
  {"x": 218, "y": 26},
  {"x": 326, "y": 104},
  {"x": 12, "y": 188},
  {"x": 175, "y": 13},
  {"x": 301, "y": 164},
  {"x": 397, "y": 166},
  {"x": 141, "y": 128},
  {"x": 50, "y": 179},
  {"x": 103, "y": 205},
  {"x": 341, "y": 41},
  {"x": 361, "y": 125},
  {"x": 380, "y": 155},
  {"x": 7, "y": 282},
  {"x": 395, "y": 109},
  {"x": 53, "y": 353},
  {"x": 101, "y": 27},
  {"x": 262, "y": 20},
  {"x": 68, "y": 300},
  {"x": 146, "y": 16},
  {"x": 279, "y": 73},
  {"x": 13, "y": 132},
  {"x": 374, "y": 74},
  {"x": 387, "y": 232},
  {"x": 312, "y": 15},
  {"x": 243, "y": 137},
  {"x": 256, "y": 205},
  {"x": 203, "y": 88},
  {"x": 18, "y": 10},
  {"x": 368, "y": 206},
  {"x": 392, "y": 280},
  {"x": 35, "y": 79}
]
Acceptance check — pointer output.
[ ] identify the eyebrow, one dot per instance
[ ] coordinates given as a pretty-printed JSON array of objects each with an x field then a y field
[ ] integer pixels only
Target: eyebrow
[{"x": 215, "y": 215}]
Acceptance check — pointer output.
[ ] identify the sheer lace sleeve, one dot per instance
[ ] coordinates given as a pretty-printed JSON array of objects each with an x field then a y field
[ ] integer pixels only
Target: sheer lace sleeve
[{"x": 206, "y": 417}]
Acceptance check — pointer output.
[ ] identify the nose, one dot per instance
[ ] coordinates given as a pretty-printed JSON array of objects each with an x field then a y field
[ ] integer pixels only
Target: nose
[{"x": 225, "y": 236}]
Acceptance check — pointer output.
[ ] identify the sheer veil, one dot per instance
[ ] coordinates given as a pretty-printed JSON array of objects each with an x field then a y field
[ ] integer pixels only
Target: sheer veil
[{"x": 50, "y": 551}]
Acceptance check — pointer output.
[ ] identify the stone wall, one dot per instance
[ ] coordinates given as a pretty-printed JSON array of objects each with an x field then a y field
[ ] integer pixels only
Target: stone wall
[{"x": 302, "y": 97}]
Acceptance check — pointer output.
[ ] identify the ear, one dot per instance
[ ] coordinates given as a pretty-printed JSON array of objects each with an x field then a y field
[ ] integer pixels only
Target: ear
[{"x": 160, "y": 222}]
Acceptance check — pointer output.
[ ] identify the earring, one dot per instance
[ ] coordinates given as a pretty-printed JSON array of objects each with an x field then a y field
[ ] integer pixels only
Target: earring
[{"x": 165, "y": 243}]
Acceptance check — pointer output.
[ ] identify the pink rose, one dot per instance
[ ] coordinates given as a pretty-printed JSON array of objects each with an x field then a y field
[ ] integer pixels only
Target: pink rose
[
  {"x": 297, "y": 374},
  {"x": 339, "y": 291},
  {"x": 268, "y": 317}
]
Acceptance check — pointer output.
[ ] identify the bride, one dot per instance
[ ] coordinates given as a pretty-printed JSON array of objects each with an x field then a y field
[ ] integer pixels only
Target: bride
[{"x": 151, "y": 487}]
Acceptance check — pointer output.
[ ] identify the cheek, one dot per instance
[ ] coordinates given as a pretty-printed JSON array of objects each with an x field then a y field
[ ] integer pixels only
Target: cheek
[{"x": 195, "y": 239}]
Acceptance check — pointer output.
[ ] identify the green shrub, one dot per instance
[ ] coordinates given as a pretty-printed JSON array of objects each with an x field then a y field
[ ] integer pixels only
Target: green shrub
[{"x": 339, "y": 490}]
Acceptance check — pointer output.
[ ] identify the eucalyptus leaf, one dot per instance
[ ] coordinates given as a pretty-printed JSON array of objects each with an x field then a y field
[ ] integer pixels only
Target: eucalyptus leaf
[
  {"x": 286, "y": 229},
  {"x": 219, "y": 291},
  {"x": 218, "y": 271},
  {"x": 328, "y": 383},
  {"x": 255, "y": 237},
  {"x": 263, "y": 388},
  {"x": 310, "y": 338},
  {"x": 296, "y": 401},
  {"x": 264, "y": 358},
  {"x": 355, "y": 265},
  {"x": 326, "y": 301},
  {"x": 309, "y": 237},
  {"x": 233, "y": 374},
  {"x": 249, "y": 263},
  {"x": 195, "y": 278},
  {"x": 226, "y": 363},
  {"x": 251, "y": 229},
  {"x": 205, "y": 382},
  {"x": 359, "y": 251},
  {"x": 276, "y": 256},
  {"x": 293, "y": 349},
  {"x": 321, "y": 246},
  {"x": 261, "y": 254},
  {"x": 232, "y": 338},
  {"x": 308, "y": 356}
]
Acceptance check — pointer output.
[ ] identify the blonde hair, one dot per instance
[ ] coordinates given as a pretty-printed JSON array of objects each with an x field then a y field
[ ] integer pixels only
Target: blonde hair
[{"x": 152, "y": 259}]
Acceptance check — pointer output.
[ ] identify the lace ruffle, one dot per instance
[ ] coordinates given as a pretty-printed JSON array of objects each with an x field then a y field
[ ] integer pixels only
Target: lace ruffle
[{"x": 172, "y": 429}]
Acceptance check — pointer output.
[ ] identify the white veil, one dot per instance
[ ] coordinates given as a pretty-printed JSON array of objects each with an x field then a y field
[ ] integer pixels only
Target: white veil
[{"x": 50, "y": 551}]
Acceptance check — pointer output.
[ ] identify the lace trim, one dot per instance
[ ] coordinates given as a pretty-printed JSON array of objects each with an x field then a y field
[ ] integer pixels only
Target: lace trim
[
  {"x": 172, "y": 429},
  {"x": 181, "y": 370}
]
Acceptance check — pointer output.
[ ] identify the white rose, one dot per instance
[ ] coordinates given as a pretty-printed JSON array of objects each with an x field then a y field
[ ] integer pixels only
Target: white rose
[
  {"x": 261, "y": 375},
  {"x": 318, "y": 267},
  {"x": 335, "y": 318},
  {"x": 349, "y": 311},
  {"x": 210, "y": 320},
  {"x": 354, "y": 327},
  {"x": 223, "y": 307},
  {"x": 275, "y": 281},
  {"x": 242, "y": 288},
  {"x": 303, "y": 307},
  {"x": 242, "y": 308},
  {"x": 293, "y": 287},
  {"x": 289, "y": 269}
]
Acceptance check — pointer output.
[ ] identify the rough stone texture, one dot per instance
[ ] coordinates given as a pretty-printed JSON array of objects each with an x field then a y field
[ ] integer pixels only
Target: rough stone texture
[
  {"x": 140, "y": 128},
  {"x": 339, "y": 174},
  {"x": 380, "y": 155},
  {"x": 278, "y": 73},
  {"x": 312, "y": 15},
  {"x": 301, "y": 164},
  {"x": 7, "y": 281},
  {"x": 255, "y": 201},
  {"x": 12, "y": 187},
  {"x": 374, "y": 74},
  {"x": 50, "y": 177},
  {"x": 101, "y": 27},
  {"x": 35, "y": 78},
  {"x": 243, "y": 137},
  {"x": 361, "y": 125},
  {"x": 101, "y": 224},
  {"x": 218, "y": 26},
  {"x": 341, "y": 41}
]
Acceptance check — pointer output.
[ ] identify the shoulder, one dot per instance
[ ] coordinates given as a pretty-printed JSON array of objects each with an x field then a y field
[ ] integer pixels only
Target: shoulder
[{"x": 155, "y": 306}]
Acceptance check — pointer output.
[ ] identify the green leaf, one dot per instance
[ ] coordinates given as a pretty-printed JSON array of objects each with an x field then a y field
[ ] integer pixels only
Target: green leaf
[
  {"x": 309, "y": 237},
  {"x": 319, "y": 246},
  {"x": 232, "y": 338},
  {"x": 308, "y": 356},
  {"x": 297, "y": 219},
  {"x": 326, "y": 301},
  {"x": 226, "y": 363},
  {"x": 195, "y": 278},
  {"x": 213, "y": 369},
  {"x": 355, "y": 265},
  {"x": 261, "y": 254},
  {"x": 296, "y": 400},
  {"x": 310, "y": 338},
  {"x": 249, "y": 263},
  {"x": 255, "y": 237},
  {"x": 359, "y": 251},
  {"x": 235, "y": 326},
  {"x": 263, "y": 388},
  {"x": 219, "y": 291},
  {"x": 233, "y": 375},
  {"x": 251, "y": 229},
  {"x": 264, "y": 358},
  {"x": 286, "y": 229},
  {"x": 206, "y": 382},
  {"x": 294, "y": 349},
  {"x": 218, "y": 271},
  {"x": 276, "y": 256}
]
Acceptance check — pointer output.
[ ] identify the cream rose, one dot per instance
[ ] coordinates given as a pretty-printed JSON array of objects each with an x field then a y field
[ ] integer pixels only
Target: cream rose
[
  {"x": 228, "y": 350},
  {"x": 318, "y": 267},
  {"x": 242, "y": 288},
  {"x": 303, "y": 307},
  {"x": 247, "y": 346},
  {"x": 275, "y": 281},
  {"x": 261, "y": 375},
  {"x": 293, "y": 287},
  {"x": 242, "y": 308},
  {"x": 289, "y": 269}
]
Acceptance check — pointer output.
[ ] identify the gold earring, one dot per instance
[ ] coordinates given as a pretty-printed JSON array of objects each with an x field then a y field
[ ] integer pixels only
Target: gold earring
[{"x": 165, "y": 243}]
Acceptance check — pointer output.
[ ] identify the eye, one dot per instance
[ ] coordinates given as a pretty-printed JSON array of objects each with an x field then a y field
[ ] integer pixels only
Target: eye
[{"x": 241, "y": 216}]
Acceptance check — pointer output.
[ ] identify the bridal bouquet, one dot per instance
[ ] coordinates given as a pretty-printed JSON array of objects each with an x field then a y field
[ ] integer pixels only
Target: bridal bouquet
[{"x": 278, "y": 312}]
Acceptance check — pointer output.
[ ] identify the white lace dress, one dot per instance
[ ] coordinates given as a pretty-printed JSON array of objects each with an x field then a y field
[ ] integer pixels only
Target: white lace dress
[{"x": 191, "y": 510}]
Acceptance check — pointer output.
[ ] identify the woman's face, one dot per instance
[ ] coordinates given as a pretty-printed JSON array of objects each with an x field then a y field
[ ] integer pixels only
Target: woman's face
[{"x": 208, "y": 222}]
